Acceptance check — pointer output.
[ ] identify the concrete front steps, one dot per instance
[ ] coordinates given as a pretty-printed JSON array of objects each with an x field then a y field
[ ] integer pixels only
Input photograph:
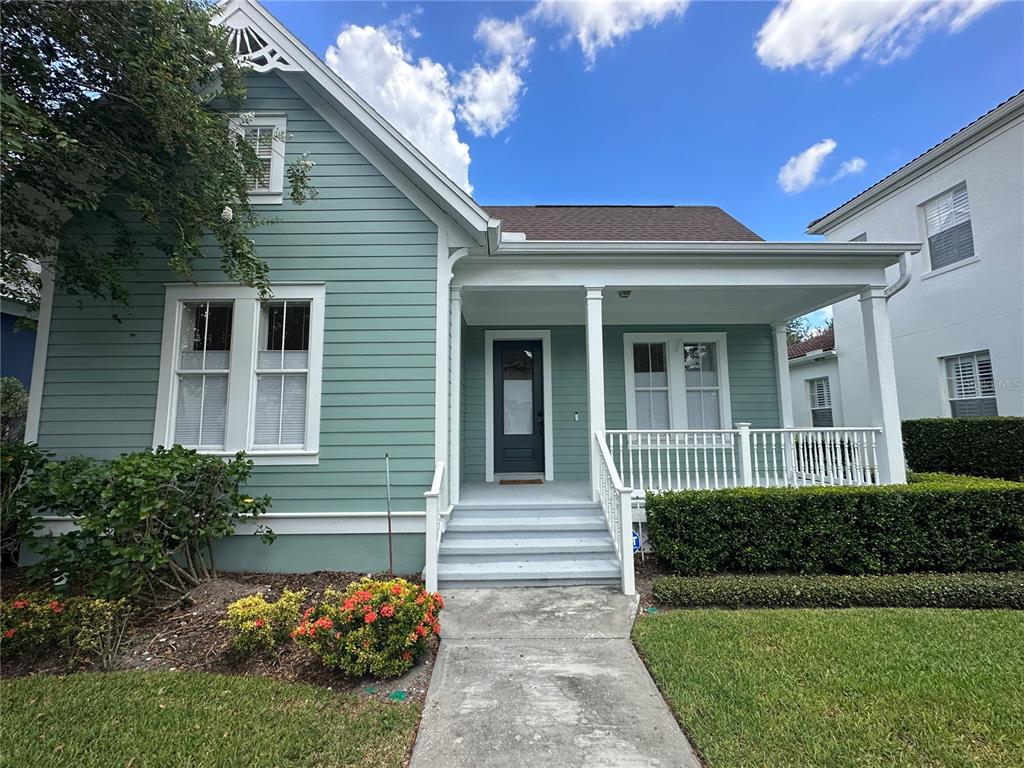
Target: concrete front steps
[{"x": 521, "y": 545}]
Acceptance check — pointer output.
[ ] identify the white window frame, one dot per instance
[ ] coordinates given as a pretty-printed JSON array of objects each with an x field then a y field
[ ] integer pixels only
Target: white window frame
[
  {"x": 245, "y": 324},
  {"x": 947, "y": 399},
  {"x": 933, "y": 271},
  {"x": 811, "y": 399},
  {"x": 677, "y": 375},
  {"x": 279, "y": 123}
]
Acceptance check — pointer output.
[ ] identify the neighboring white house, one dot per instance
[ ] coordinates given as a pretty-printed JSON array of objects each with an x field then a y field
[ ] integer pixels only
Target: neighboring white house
[
  {"x": 958, "y": 324},
  {"x": 814, "y": 382}
]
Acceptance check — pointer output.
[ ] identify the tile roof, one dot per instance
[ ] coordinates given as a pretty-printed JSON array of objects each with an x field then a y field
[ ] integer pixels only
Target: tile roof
[
  {"x": 911, "y": 162},
  {"x": 620, "y": 222},
  {"x": 821, "y": 342}
]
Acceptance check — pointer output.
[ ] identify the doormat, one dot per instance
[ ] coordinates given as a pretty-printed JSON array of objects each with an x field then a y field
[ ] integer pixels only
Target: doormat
[{"x": 536, "y": 481}]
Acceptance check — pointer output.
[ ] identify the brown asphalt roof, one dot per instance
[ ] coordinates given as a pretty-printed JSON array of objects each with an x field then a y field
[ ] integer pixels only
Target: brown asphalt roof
[
  {"x": 821, "y": 342},
  {"x": 936, "y": 146},
  {"x": 620, "y": 222}
]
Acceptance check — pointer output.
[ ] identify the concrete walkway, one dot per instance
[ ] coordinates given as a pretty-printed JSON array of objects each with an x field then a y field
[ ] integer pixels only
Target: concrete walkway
[{"x": 544, "y": 677}]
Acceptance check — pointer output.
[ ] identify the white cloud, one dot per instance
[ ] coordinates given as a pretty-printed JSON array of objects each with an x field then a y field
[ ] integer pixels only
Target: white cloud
[
  {"x": 489, "y": 98},
  {"x": 800, "y": 171},
  {"x": 597, "y": 24},
  {"x": 505, "y": 39},
  {"x": 414, "y": 96},
  {"x": 826, "y": 35},
  {"x": 853, "y": 165}
]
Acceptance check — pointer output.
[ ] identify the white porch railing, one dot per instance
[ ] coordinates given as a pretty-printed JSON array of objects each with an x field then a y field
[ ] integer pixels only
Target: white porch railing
[
  {"x": 437, "y": 519},
  {"x": 663, "y": 460},
  {"x": 616, "y": 503}
]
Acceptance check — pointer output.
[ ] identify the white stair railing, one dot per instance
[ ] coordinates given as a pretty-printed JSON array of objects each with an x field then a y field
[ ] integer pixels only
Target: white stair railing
[
  {"x": 437, "y": 515},
  {"x": 617, "y": 504}
]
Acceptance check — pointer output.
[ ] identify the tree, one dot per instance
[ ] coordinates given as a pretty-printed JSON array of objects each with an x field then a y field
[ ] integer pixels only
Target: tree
[
  {"x": 797, "y": 329},
  {"x": 117, "y": 110}
]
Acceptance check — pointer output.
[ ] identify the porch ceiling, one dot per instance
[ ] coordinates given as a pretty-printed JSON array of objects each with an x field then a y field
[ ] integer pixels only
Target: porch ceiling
[{"x": 677, "y": 305}]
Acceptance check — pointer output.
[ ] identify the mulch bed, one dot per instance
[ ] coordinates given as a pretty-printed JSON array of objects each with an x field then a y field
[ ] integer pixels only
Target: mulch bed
[
  {"x": 188, "y": 635},
  {"x": 645, "y": 572}
]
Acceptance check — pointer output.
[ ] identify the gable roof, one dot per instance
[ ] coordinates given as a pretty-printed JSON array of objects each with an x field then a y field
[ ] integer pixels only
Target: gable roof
[
  {"x": 821, "y": 342},
  {"x": 621, "y": 222},
  {"x": 988, "y": 122}
]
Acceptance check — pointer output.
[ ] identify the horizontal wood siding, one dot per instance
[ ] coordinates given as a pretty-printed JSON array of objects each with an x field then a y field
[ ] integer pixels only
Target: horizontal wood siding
[
  {"x": 377, "y": 254},
  {"x": 752, "y": 388}
]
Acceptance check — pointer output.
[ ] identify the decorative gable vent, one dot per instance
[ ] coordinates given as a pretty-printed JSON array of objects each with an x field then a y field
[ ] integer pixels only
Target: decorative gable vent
[{"x": 252, "y": 49}]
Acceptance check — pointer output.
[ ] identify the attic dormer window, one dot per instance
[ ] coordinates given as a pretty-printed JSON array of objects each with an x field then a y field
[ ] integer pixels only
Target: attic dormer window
[{"x": 265, "y": 133}]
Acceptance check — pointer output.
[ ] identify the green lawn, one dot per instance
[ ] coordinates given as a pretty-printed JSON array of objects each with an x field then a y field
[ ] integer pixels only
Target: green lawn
[
  {"x": 193, "y": 719},
  {"x": 835, "y": 688}
]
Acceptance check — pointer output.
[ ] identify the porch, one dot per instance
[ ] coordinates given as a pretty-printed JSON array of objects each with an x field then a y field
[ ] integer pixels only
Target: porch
[{"x": 613, "y": 380}]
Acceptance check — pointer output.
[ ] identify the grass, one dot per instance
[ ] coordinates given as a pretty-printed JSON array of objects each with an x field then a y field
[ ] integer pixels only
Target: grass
[
  {"x": 146, "y": 719},
  {"x": 860, "y": 687}
]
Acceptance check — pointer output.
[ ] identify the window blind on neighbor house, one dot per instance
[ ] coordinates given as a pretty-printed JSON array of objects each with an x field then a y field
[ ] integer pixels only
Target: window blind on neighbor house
[
  {"x": 261, "y": 138},
  {"x": 202, "y": 369},
  {"x": 948, "y": 224},
  {"x": 971, "y": 385},
  {"x": 821, "y": 402},
  {"x": 282, "y": 373}
]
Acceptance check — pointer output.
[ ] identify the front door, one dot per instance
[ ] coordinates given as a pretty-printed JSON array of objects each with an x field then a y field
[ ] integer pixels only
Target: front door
[{"x": 518, "y": 407}]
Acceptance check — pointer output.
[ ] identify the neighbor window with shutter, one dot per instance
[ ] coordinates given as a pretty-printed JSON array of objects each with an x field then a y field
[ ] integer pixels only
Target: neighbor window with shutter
[
  {"x": 821, "y": 402},
  {"x": 265, "y": 133},
  {"x": 970, "y": 385},
  {"x": 242, "y": 374},
  {"x": 948, "y": 225}
]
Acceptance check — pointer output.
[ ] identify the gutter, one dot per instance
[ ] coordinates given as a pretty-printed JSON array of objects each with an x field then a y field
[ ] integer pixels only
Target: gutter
[
  {"x": 903, "y": 280},
  {"x": 741, "y": 248}
]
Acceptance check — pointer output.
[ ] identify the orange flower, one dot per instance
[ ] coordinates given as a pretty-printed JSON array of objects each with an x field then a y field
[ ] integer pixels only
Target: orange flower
[
  {"x": 19, "y": 604},
  {"x": 10, "y": 633},
  {"x": 370, "y": 617},
  {"x": 258, "y": 623},
  {"x": 325, "y": 622},
  {"x": 56, "y": 607},
  {"x": 437, "y": 629},
  {"x": 421, "y": 630},
  {"x": 407, "y": 656},
  {"x": 439, "y": 599},
  {"x": 349, "y": 604},
  {"x": 396, "y": 589},
  {"x": 387, "y": 611}
]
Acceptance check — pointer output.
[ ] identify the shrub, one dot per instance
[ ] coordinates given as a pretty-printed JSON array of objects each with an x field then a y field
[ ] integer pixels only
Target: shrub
[
  {"x": 987, "y": 446},
  {"x": 957, "y": 590},
  {"x": 373, "y": 627},
  {"x": 20, "y": 469},
  {"x": 261, "y": 627},
  {"x": 939, "y": 524},
  {"x": 88, "y": 627},
  {"x": 145, "y": 520},
  {"x": 13, "y": 409}
]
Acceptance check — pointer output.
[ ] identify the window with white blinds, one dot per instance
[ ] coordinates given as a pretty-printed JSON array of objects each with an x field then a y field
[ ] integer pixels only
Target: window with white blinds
[
  {"x": 821, "y": 402},
  {"x": 676, "y": 381},
  {"x": 948, "y": 226},
  {"x": 238, "y": 373},
  {"x": 265, "y": 133},
  {"x": 970, "y": 385}
]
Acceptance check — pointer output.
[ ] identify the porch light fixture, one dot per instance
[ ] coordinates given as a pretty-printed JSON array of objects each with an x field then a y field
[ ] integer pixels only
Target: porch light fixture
[{"x": 625, "y": 294}]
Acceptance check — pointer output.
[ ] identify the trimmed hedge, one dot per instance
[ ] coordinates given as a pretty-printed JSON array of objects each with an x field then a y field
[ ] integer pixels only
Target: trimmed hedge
[
  {"x": 938, "y": 523},
  {"x": 987, "y": 446},
  {"x": 958, "y": 590}
]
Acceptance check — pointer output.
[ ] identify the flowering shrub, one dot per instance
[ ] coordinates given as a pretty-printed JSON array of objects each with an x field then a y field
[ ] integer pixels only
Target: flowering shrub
[
  {"x": 89, "y": 627},
  {"x": 259, "y": 626},
  {"x": 373, "y": 627}
]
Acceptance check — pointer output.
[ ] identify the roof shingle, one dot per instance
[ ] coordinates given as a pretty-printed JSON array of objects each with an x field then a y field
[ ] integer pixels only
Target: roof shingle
[
  {"x": 621, "y": 222},
  {"x": 821, "y": 342}
]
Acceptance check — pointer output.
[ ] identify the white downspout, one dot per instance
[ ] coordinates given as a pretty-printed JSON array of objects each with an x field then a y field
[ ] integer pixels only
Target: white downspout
[{"x": 903, "y": 280}]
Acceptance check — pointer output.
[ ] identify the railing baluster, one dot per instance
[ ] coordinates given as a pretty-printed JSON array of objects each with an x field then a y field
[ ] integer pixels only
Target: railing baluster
[{"x": 661, "y": 479}]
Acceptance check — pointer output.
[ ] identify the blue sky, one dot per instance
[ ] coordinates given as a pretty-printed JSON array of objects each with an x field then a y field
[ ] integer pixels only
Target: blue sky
[{"x": 676, "y": 103}]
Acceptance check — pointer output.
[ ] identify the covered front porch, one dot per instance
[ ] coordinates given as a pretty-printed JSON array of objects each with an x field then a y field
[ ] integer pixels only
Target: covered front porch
[{"x": 619, "y": 376}]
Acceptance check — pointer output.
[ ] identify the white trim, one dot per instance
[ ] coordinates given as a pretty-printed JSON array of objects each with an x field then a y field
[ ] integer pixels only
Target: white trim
[
  {"x": 676, "y": 374},
  {"x": 783, "y": 386},
  {"x": 455, "y": 395},
  {"x": 441, "y": 346},
  {"x": 238, "y": 429},
  {"x": 950, "y": 267},
  {"x": 35, "y": 390},
  {"x": 549, "y": 451},
  {"x": 278, "y": 121},
  {"x": 594, "y": 299},
  {"x": 756, "y": 249}
]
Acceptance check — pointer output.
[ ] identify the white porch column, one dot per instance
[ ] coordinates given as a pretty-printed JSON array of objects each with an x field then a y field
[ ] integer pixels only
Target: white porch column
[
  {"x": 455, "y": 426},
  {"x": 595, "y": 378},
  {"x": 882, "y": 384},
  {"x": 782, "y": 374}
]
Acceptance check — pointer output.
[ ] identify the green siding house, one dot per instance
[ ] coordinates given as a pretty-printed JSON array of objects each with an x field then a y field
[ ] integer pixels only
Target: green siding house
[{"x": 529, "y": 371}]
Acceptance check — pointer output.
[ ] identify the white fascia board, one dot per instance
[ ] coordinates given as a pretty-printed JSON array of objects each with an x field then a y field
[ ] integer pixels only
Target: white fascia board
[
  {"x": 754, "y": 249},
  {"x": 812, "y": 357},
  {"x": 445, "y": 192},
  {"x": 963, "y": 139}
]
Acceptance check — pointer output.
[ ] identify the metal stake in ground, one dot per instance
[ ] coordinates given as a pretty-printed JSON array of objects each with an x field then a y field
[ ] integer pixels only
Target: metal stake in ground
[{"x": 387, "y": 486}]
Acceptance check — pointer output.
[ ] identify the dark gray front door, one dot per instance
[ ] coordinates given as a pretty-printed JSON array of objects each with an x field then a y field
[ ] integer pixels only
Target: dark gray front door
[{"x": 518, "y": 407}]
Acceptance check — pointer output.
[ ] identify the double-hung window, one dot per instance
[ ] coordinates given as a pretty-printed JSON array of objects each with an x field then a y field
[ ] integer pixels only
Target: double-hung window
[
  {"x": 265, "y": 133},
  {"x": 821, "y": 402},
  {"x": 676, "y": 381},
  {"x": 242, "y": 374},
  {"x": 970, "y": 385},
  {"x": 947, "y": 220}
]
